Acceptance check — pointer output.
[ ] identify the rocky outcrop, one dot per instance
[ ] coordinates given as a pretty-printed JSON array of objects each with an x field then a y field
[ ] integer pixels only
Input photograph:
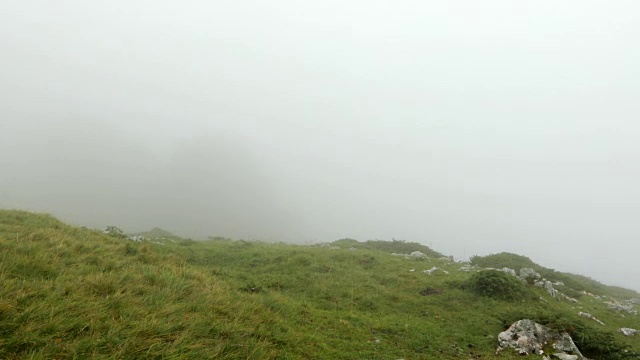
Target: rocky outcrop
[
  {"x": 629, "y": 331},
  {"x": 434, "y": 269},
  {"x": 528, "y": 337},
  {"x": 616, "y": 306},
  {"x": 548, "y": 286},
  {"x": 589, "y": 316},
  {"x": 509, "y": 271},
  {"x": 528, "y": 273},
  {"x": 634, "y": 301},
  {"x": 568, "y": 298}
]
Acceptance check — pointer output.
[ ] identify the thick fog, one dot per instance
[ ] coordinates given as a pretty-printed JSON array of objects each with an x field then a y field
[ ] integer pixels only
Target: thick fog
[{"x": 471, "y": 127}]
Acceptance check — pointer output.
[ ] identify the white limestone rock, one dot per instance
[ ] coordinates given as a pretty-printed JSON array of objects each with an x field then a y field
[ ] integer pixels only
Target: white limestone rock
[
  {"x": 629, "y": 331},
  {"x": 509, "y": 271},
  {"x": 528, "y": 337},
  {"x": 434, "y": 269},
  {"x": 527, "y": 273},
  {"x": 548, "y": 286},
  {"x": 589, "y": 316},
  {"x": 616, "y": 306},
  {"x": 568, "y": 298}
]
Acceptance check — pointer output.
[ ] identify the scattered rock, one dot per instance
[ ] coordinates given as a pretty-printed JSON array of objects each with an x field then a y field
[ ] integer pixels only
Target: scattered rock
[
  {"x": 434, "y": 269},
  {"x": 563, "y": 356},
  {"x": 528, "y": 337},
  {"x": 590, "y": 294},
  {"x": 616, "y": 306},
  {"x": 634, "y": 301},
  {"x": 509, "y": 271},
  {"x": 413, "y": 255},
  {"x": 629, "y": 331},
  {"x": 568, "y": 298},
  {"x": 589, "y": 316},
  {"x": 558, "y": 283},
  {"x": 547, "y": 285}
]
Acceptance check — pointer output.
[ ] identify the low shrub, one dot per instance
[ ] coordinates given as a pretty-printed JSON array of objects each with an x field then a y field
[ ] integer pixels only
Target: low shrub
[{"x": 497, "y": 285}]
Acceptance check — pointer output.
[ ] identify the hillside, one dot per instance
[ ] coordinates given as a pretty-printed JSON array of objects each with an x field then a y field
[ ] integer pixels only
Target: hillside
[
  {"x": 157, "y": 233},
  {"x": 71, "y": 292}
]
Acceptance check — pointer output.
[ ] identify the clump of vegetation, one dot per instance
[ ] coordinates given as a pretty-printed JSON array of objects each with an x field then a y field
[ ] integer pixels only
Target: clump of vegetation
[
  {"x": 505, "y": 259},
  {"x": 497, "y": 285},
  {"x": 430, "y": 291}
]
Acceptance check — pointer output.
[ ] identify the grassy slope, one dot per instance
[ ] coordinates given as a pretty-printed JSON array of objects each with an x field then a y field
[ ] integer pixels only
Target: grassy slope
[
  {"x": 69, "y": 292},
  {"x": 573, "y": 283}
]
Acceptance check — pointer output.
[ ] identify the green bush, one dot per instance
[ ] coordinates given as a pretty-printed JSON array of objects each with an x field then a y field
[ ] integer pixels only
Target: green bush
[
  {"x": 497, "y": 285},
  {"x": 505, "y": 259}
]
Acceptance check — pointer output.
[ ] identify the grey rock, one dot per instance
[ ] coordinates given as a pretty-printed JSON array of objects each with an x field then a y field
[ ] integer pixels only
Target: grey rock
[
  {"x": 563, "y": 356},
  {"x": 568, "y": 298},
  {"x": 590, "y": 294},
  {"x": 548, "y": 286},
  {"x": 528, "y": 337},
  {"x": 629, "y": 331},
  {"x": 418, "y": 254},
  {"x": 616, "y": 306},
  {"x": 526, "y": 273},
  {"x": 509, "y": 271},
  {"x": 434, "y": 269},
  {"x": 589, "y": 316}
]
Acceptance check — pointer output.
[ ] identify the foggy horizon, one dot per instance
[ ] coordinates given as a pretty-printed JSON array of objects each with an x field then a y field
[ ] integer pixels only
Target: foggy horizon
[{"x": 472, "y": 128}]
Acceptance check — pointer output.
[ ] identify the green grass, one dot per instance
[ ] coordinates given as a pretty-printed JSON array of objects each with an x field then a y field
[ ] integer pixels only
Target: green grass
[{"x": 68, "y": 292}]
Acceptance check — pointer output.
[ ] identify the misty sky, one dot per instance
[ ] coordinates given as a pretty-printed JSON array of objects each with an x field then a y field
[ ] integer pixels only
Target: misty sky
[{"x": 472, "y": 127}]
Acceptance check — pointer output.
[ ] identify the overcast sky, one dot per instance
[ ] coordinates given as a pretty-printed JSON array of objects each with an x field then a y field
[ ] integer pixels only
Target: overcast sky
[{"x": 473, "y": 127}]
